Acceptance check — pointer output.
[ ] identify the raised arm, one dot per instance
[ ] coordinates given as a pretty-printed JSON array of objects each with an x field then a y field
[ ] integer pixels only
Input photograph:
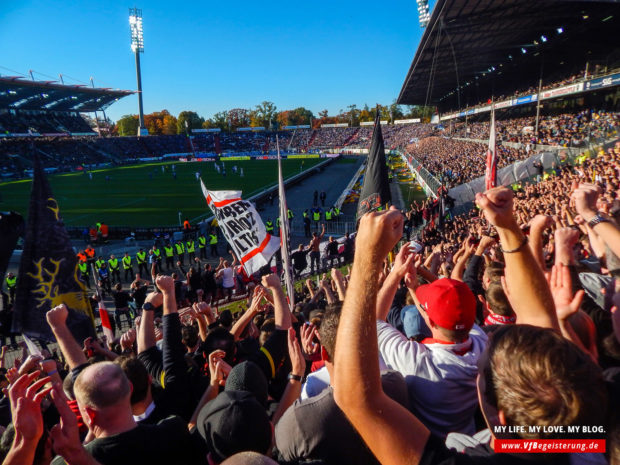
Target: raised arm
[
  {"x": 585, "y": 201},
  {"x": 293, "y": 386},
  {"x": 385, "y": 296},
  {"x": 71, "y": 350},
  {"x": 25, "y": 399},
  {"x": 461, "y": 264},
  {"x": 341, "y": 286},
  {"x": 281, "y": 310},
  {"x": 249, "y": 314},
  {"x": 146, "y": 330},
  {"x": 391, "y": 432},
  {"x": 537, "y": 228},
  {"x": 310, "y": 288},
  {"x": 532, "y": 302},
  {"x": 325, "y": 286}
]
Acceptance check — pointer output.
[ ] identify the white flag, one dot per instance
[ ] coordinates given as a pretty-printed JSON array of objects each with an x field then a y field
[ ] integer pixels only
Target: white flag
[
  {"x": 284, "y": 235},
  {"x": 243, "y": 228}
]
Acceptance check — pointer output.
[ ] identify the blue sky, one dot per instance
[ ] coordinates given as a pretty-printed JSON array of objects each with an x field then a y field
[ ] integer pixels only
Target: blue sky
[{"x": 210, "y": 56}]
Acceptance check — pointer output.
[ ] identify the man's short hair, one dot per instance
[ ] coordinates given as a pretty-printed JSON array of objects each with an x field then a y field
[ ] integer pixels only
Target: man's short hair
[
  {"x": 189, "y": 336},
  {"x": 101, "y": 385},
  {"x": 541, "y": 379},
  {"x": 329, "y": 328},
  {"x": 138, "y": 376},
  {"x": 497, "y": 300},
  {"x": 219, "y": 338},
  {"x": 249, "y": 458},
  {"x": 494, "y": 271}
]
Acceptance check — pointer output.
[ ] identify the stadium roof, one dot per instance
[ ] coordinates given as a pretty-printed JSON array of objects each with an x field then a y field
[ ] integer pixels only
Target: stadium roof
[
  {"x": 490, "y": 47},
  {"x": 21, "y": 94}
]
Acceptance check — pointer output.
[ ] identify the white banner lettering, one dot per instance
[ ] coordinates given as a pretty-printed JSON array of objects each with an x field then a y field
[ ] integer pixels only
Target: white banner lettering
[{"x": 243, "y": 228}]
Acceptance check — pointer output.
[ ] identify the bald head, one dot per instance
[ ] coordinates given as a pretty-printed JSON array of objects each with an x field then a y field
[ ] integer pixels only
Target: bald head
[
  {"x": 249, "y": 458},
  {"x": 102, "y": 385}
]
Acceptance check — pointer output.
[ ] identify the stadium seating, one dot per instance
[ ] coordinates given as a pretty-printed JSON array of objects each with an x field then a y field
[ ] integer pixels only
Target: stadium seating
[{"x": 22, "y": 122}]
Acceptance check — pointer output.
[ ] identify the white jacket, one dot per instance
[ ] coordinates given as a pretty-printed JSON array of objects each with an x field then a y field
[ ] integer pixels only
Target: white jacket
[{"x": 442, "y": 384}]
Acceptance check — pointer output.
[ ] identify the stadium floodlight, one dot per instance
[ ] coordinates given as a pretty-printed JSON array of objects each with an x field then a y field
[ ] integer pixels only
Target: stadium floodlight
[
  {"x": 423, "y": 14},
  {"x": 543, "y": 38},
  {"x": 523, "y": 50},
  {"x": 135, "y": 24},
  {"x": 137, "y": 47},
  {"x": 560, "y": 30}
]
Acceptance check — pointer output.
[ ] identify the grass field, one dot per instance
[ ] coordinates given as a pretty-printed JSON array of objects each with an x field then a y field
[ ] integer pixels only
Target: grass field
[
  {"x": 412, "y": 192},
  {"x": 131, "y": 198}
]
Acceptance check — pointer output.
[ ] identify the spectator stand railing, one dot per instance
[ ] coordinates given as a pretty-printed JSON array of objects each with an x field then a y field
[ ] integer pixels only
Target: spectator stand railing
[
  {"x": 429, "y": 183},
  {"x": 352, "y": 182}
]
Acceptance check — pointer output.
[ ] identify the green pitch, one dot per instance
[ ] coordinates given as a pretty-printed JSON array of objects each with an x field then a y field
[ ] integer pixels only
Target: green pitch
[{"x": 144, "y": 195}]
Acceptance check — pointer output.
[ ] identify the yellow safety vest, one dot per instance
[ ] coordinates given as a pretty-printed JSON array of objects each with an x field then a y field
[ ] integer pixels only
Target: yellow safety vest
[
  {"x": 328, "y": 215},
  {"x": 83, "y": 268},
  {"x": 126, "y": 263},
  {"x": 113, "y": 264},
  {"x": 141, "y": 257},
  {"x": 180, "y": 248},
  {"x": 169, "y": 251},
  {"x": 316, "y": 216},
  {"x": 202, "y": 241},
  {"x": 11, "y": 282},
  {"x": 190, "y": 246},
  {"x": 213, "y": 239}
]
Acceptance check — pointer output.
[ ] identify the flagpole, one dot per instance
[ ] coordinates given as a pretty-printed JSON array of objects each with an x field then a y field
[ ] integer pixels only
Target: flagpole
[{"x": 284, "y": 233}]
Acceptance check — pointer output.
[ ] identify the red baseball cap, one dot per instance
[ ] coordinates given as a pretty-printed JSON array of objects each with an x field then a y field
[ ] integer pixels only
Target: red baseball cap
[{"x": 449, "y": 303}]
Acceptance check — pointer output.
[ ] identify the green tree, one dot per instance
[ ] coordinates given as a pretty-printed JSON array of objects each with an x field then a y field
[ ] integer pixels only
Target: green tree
[
  {"x": 353, "y": 115},
  {"x": 265, "y": 114},
  {"x": 301, "y": 116},
  {"x": 396, "y": 111},
  {"x": 128, "y": 125},
  {"x": 219, "y": 120},
  {"x": 191, "y": 118}
]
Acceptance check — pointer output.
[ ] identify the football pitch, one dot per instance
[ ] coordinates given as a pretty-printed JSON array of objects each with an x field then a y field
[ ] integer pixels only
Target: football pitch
[{"x": 148, "y": 195}]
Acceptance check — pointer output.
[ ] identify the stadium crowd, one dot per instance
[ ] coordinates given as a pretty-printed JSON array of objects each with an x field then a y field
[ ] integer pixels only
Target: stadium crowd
[
  {"x": 12, "y": 122},
  {"x": 404, "y": 360},
  {"x": 455, "y": 162},
  {"x": 566, "y": 129}
]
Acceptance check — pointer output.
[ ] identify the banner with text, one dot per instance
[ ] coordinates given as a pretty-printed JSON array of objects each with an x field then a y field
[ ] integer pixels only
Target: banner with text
[{"x": 243, "y": 228}]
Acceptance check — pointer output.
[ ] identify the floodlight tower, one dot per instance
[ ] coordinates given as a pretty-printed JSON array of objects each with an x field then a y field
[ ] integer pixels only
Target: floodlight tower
[
  {"x": 423, "y": 13},
  {"x": 137, "y": 46}
]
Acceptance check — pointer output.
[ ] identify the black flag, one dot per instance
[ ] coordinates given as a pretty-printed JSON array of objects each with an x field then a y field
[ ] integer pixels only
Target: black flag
[
  {"x": 376, "y": 189},
  {"x": 48, "y": 273},
  {"x": 11, "y": 227}
]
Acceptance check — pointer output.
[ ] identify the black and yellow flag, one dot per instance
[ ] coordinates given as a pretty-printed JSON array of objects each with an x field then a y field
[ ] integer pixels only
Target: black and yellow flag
[
  {"x": 375, "y": 192},
  {"x": 48, "y": 273}
]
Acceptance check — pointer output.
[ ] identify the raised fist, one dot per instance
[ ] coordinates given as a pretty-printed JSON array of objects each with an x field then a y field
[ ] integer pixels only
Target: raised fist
[
  {"x": 57, "y": 316},
  {"x": 165, "y": 283},
  {"x": 496, "y": 204}
]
